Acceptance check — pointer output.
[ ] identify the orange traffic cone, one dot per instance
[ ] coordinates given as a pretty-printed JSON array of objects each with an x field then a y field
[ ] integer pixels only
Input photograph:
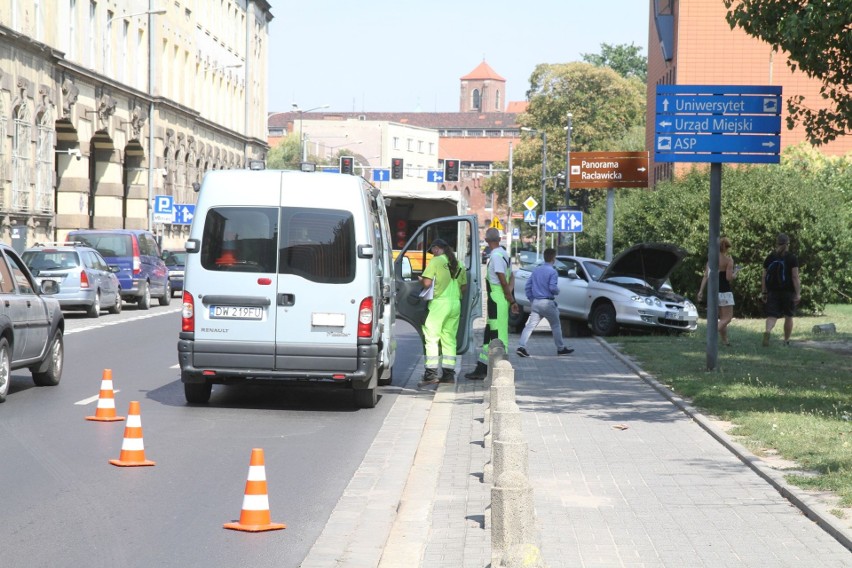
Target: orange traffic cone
[
  {"x": 132, "y": 448},
  {"x": 106, "y": 401},
  {"x": 254, "y": 516}
]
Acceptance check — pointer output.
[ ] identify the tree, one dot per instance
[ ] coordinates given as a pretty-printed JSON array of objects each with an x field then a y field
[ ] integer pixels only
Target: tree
[
  {"x": 604, "y": 106},
  {"x": 626, "y": 60},
  {"x": 818, "y": 41},
  {"x": 285, "y": 155}
]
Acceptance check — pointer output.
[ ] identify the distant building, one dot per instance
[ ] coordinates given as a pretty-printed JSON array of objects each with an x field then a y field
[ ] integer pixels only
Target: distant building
[
  {"x": 691, "y": 43},
  {"x": 478, "y": 135}
]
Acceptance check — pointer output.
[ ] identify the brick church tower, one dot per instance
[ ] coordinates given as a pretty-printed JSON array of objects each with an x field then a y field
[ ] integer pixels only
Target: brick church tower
[{"x": 482, "y": 90}]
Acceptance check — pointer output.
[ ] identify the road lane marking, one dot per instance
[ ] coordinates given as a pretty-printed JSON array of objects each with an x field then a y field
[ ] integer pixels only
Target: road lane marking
[
  {"x": 92, "y": 399},
  {"x": 104, "y": 323}
]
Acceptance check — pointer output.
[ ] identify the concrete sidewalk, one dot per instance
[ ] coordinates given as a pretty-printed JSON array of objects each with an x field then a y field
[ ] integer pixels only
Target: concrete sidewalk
[{"x": 624, "y": 474}]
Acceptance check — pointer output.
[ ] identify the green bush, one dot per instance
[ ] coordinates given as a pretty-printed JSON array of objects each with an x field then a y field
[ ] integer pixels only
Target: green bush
[{"x": 808, "y": 196}]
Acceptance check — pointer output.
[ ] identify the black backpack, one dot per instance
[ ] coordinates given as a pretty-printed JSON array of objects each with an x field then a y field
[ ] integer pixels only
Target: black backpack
[{"x": 776, "y": 275}]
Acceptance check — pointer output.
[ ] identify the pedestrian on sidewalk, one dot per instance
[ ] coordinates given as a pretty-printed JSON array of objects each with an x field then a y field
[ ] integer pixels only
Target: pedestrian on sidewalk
[
  {"x": 727, "y": 273},
  {"x": 499, "y": 290},
  {"x": 448, "y": 280},
  {"x": 781, "y": 287},
  {"x": 541, "y": 289}
]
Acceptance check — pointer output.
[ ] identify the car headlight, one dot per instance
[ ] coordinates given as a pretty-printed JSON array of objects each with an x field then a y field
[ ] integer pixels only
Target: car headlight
[
  {"x": 687, "y": 305},
  {"x": 652, "y": 301}
]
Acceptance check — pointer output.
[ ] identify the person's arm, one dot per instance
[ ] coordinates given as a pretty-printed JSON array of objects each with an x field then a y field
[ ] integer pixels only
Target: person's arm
[
  {"x": 553, "y": 284},
  {"x": 703, "y": 282},
  {"x": 426, "y": 282},
  {"x": 797, "y": 285},
  {"x": 729, "y": 270},
  {"x": 528, "y": 288}
]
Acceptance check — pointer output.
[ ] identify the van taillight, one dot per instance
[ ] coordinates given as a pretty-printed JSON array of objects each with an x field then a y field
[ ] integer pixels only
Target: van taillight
[
  {"x": 84, "y": 280},
  {"x": 187, "y": 314},
  {"x": 365, "y": 318},
  {"x": 137, "y": 262}
]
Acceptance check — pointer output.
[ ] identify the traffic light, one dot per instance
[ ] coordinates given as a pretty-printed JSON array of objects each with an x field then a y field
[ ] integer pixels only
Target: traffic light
[
  {"x": 396, "y": 168},
  {"x": 347, "y": 165},
  {"x": 451, "y": 170}
]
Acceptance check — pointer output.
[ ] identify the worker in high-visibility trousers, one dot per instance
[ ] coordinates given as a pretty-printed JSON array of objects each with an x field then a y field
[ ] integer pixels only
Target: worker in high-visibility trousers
[
  {"x": 499, "y": 291},
  {"x": 448, "y": 282}
]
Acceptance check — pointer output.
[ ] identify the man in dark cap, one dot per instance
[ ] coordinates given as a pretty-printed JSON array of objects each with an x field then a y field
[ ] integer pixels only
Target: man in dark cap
[
  {"x": 781, "y": 287},
  {"x": 501, "y": 299}
]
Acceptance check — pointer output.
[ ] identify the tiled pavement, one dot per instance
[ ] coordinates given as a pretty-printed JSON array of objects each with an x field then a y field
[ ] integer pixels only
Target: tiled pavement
[{"x": 622, "y": 477}]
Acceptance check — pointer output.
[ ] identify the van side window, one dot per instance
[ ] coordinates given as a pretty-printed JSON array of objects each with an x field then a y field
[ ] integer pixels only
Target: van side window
[
  {"x": 240, "y": 239},
  {"x": 318, "y": 244}
]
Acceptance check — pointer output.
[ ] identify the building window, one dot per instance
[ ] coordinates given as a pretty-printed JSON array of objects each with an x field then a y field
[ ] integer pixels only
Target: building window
[
  {"x": 21, "y": 159},
  {"x": 44, "y": 163},
  {"x": 409, "y": 144},
  {"x": 420, "y": 146},
  {"x": 497, "y": 100},
  {"x": 431, "y": 148},
  {"x": 93, "y": 11},
  {"x": 396, "y": 143},
  {"x": 72, "y": 29},
  {"x": 476, "y": 100}
]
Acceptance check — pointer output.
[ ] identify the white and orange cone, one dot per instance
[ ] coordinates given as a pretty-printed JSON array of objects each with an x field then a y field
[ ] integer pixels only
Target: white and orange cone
[
  {"x": 106, "y": 401},
  {"x": 254, "y": 516},
  {"x": 132, "y": 448}
]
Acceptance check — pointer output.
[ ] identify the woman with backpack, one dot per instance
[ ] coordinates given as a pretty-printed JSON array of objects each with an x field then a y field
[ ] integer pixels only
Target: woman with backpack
[
  {"x": 781, "y": 287},
  {"x": 727, "y": 273},
  {"x": 448, "y": 280}
]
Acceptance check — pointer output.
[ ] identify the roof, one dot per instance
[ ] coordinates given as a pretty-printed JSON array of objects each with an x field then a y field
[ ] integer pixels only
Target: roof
[
  {"x": 475, "y": 149},
  {"x": 483, "y": 71},
  {"x": 517, "y": 107},
  {"x": 433, "y": 120}
]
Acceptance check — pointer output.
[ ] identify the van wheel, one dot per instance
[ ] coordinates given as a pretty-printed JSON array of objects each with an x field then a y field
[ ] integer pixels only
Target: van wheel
[
  {"x": 365, "y": 398},
  {"x": 144, "y": 301},
  {"x": 197, "y": 393},
  {"x": 94, "y": 310},
  {"x": 166, "y": 298}
]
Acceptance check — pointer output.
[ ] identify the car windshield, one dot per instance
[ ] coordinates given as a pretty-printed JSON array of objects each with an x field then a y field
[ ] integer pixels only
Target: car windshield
[
  {"x": 175, "y": 258},
  {"x": 38, "y": 260},
  {"x": 595, "y": 269}
]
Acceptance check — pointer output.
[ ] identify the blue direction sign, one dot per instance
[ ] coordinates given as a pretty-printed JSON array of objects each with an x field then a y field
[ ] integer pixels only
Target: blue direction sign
[
  {"x": 529, "y": 216},
  {"x": 563, "y": 221},
  {"x": 381, "y": 175},
  {"x": 330, "y": 169},
  {"x": 717, "y": 124},
  {"x": 435, "y": 176},
  {"x": 184, "y": 212}
]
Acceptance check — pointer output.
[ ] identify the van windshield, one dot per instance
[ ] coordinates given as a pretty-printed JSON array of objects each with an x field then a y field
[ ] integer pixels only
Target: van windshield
[{"x": 316, "y": 244}]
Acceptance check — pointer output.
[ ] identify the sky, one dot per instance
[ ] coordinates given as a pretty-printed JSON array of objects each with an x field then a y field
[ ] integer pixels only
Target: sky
[{"x": 408, "y": 56}]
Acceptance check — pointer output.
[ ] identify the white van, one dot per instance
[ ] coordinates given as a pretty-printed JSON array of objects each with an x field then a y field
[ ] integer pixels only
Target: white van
[{"x": 290, "y": 279}]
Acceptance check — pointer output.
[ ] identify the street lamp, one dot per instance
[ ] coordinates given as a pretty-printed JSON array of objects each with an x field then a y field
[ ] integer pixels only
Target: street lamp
[
  {"x": 301, "y": 112},
  {"x": 543, "y": 175}
]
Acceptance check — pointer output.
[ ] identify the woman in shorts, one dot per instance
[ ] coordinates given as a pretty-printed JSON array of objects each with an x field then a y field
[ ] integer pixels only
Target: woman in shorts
[{"x": 727, "y": 273}]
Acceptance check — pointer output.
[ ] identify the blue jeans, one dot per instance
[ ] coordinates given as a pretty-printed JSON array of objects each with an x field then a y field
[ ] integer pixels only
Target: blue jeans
[{"x": 543, "y": 309}]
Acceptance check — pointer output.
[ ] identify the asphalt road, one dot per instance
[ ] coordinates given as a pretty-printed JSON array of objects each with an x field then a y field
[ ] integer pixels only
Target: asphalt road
[{"x": 63, "y": 504}]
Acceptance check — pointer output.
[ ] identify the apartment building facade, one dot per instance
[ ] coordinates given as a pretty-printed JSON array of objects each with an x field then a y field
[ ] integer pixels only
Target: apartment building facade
[{"x": 105, "y": 104}]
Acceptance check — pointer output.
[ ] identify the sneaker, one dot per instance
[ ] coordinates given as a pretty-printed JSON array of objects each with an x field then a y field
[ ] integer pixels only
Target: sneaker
[
  {"x": 786, "y": 343},
  {"x": 522, "y": 352},
  {"x": 765, "y": 342},
  {"x": 565, "y": 351}
]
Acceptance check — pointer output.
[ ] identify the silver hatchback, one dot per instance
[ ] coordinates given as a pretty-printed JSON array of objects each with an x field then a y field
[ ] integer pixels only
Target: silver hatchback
[{"x": 85, "y": 280}]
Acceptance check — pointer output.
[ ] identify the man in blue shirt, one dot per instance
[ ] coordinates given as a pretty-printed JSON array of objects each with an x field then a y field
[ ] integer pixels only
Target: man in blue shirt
[{"x": 542, "y": 288}]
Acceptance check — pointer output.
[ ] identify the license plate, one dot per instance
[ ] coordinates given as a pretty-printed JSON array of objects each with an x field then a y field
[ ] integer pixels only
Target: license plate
[
  {"x": 674, "y": 315},
  {"x": 236, "y": 312}
]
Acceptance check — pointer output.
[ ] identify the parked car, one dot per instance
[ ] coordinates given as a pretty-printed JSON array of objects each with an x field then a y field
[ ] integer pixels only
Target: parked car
[
  {"x": 631, "y": 291},
  {"x": 176, "y": 265},
  {"x": 143, "y": 274},
  {"x": 85, "y": 280},
  {"x": 31, "y": 324}
]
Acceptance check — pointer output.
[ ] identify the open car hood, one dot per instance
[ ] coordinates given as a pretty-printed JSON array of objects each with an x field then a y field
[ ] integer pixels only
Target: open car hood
[{"x": 652, "y": 262}]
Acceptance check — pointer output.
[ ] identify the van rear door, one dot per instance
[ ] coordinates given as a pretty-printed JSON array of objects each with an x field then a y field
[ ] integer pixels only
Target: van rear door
[
  {"x": 235, "y": 321},
  {"x": 462, "y": 233}
]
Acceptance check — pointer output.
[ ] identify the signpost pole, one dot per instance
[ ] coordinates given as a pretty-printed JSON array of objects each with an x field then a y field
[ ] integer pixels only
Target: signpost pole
[
  {"x": 510, "y": 237},
  {"x": 713, "y": 263},
  {"x": 568, "y": 174}
]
